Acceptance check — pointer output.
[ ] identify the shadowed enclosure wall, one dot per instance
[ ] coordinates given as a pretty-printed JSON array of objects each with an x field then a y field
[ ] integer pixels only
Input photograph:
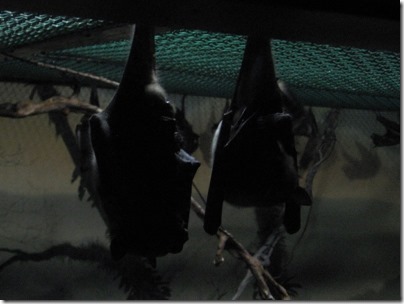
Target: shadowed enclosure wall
[{"x": 351, "y": 249}]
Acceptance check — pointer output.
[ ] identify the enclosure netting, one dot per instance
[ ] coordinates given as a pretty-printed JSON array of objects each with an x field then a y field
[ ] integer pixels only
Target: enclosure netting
[
  {"x": 357, "y": 184},
  {"x": 200, "y": 63}
]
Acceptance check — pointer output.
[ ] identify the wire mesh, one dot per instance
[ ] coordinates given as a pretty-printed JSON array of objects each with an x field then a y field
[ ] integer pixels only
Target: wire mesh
[
  {"x": 22, "y": 28},
  {"x": 203, "y": 63}
]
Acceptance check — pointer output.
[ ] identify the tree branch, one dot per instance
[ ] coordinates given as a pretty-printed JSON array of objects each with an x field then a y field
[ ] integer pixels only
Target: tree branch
[
  {"x": 266, "y": 283},
  {"x": 55, "y": 103},
  {"x": 64, "y": 70}
]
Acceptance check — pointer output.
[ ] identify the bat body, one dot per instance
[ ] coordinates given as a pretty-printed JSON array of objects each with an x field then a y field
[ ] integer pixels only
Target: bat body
[
  {"x": 254, "y": 154},
  {"x": 242, "y": 189},
  {"x": 143, "y": 178}
]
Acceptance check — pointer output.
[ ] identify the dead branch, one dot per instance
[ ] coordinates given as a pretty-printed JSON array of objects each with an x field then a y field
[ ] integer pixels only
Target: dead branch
[
  {"x": 223, "y": 238},
  {"x": 321, "y": 147},
  {"x": 64, "y": 70},
  {"x": 55, "y": 103},
  {"x": 266, "y": 283}
]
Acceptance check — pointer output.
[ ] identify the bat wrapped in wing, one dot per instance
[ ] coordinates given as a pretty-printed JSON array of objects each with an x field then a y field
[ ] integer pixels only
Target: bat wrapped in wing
[
  {"x": 143, "y": 177},
  {"x": 254, "y": 156}
]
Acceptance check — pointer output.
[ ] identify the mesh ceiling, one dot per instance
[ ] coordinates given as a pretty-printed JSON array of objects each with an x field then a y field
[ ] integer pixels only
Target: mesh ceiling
[
  {"x": 22, "y": 28},
  {"x": 203, "y": 63}
]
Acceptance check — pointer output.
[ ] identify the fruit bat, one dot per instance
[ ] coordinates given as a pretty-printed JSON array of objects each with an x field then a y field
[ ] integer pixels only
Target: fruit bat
[
  {"x": 141, "y": 176},
  {"x": 254, "y": 152}
]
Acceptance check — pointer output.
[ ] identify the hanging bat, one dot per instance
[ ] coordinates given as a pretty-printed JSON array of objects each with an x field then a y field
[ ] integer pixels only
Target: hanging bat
[
  {"x": 254, "y": 153},
  {"x": 132, "y": 153}
]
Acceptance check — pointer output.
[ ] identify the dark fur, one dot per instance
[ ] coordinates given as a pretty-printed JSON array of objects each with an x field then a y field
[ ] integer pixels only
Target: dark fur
[
  {"x": 254, "y": 157},
  {"x": 144, "y": 178}
]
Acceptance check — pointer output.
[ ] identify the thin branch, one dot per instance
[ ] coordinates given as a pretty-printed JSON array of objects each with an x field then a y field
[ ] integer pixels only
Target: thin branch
[
  {"x": 104, "y": 80},
  {"x": 223, "y": 238},
  {"x": 55, "y": 103},
  {"x": 263, "y": 255},
  {"x": 265, "y": 281},
  {"x": 324, "y": 145}
]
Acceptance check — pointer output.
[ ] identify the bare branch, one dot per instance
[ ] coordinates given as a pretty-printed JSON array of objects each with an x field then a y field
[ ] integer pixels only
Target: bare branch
[
  {"x": 55, "y": 103},
  {"x": 104, "y": 80},
  {"x": 219, "y": 259},
  {"x": 266, "y": 283}
]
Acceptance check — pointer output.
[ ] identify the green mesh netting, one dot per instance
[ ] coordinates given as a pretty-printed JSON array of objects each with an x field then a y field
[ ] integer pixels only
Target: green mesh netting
[
  {"x": 206, "y": 64},
  {"x": 22, "y": 28}
]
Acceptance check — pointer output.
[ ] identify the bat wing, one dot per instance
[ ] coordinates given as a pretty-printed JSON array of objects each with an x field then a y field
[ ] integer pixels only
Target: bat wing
[{"x": 214, "y": 204}]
